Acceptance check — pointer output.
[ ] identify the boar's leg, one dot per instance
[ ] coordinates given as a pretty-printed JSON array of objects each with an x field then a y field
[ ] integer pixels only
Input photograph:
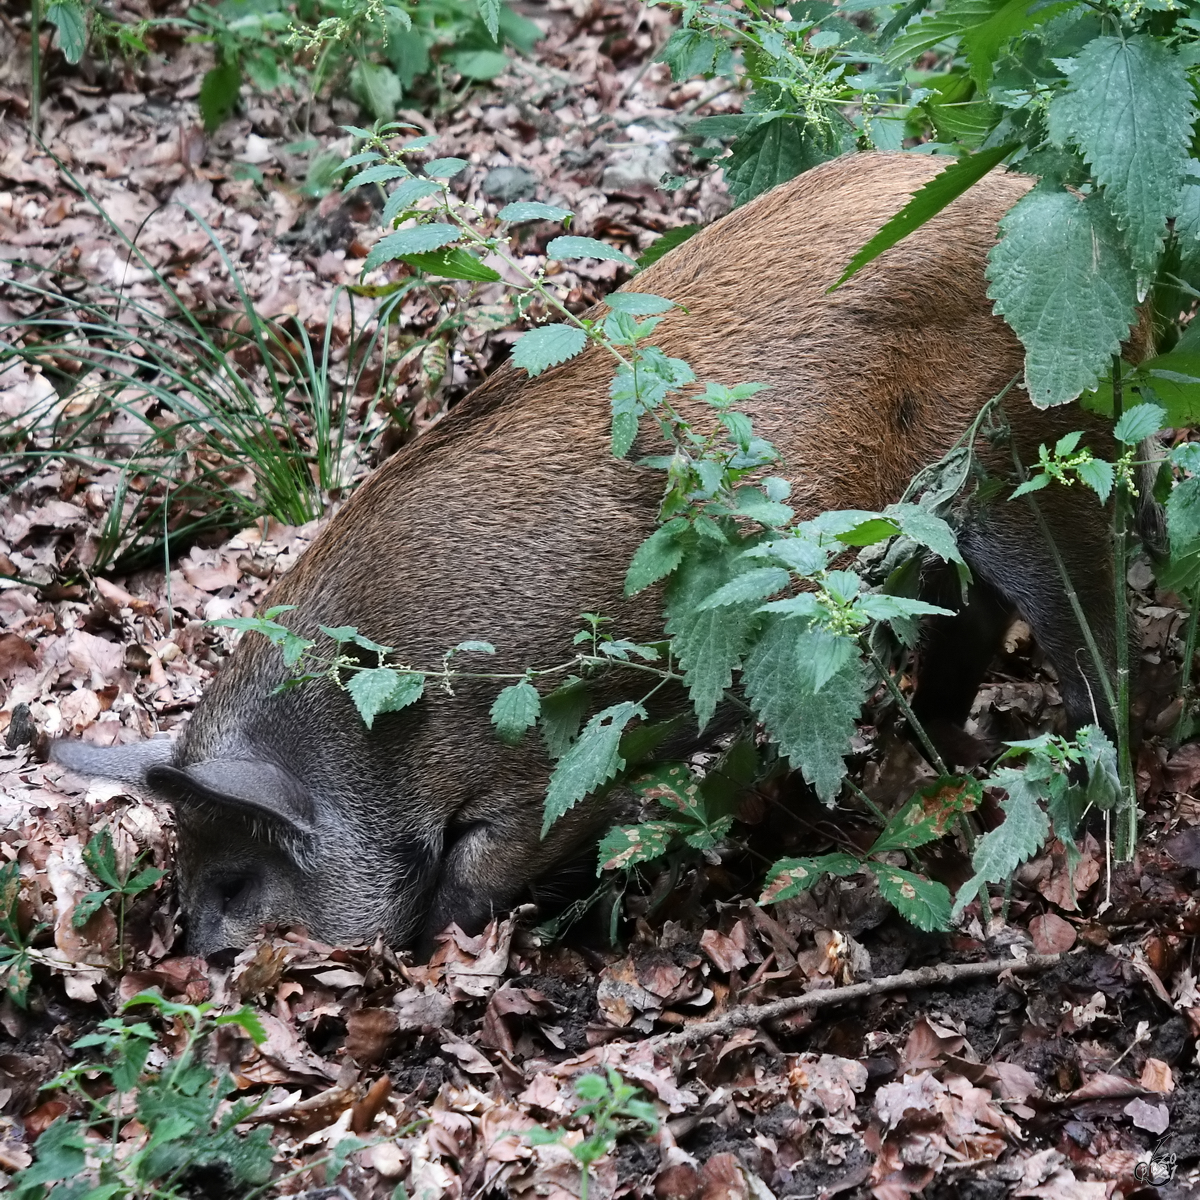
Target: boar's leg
[
  {"x": 495, "y": 852},
  {"x": 952, "y": 659},
  {"x": 1005, "y": 549}
]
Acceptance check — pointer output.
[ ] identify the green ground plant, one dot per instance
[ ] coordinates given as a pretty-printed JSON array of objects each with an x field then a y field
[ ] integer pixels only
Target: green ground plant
[
  {"x": 196, "y": 405},
  {"x": 189, "y": 1131},
  {"x": 614, "y": 1108}
]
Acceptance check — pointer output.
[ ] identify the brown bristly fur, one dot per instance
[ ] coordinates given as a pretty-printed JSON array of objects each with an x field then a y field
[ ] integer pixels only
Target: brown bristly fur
[{"x": 511, "y": 518}]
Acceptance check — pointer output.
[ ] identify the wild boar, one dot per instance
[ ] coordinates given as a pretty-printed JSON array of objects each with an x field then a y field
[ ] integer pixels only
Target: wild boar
[{"x": 511, "y": 518}]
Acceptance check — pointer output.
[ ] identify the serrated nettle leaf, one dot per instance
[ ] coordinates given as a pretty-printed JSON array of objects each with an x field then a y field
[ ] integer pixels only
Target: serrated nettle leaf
[
  {"x": 707, "y": 644},
  {"x": 739, "y": 428},
  {"x": 869, "y": 532},
  {"x": 638, "y": 304},
  {"x": 418, "y": 240},
  {"x": 845, "y": 585},
  {"x": 1002, "y": 850},
  {"x": 813, "y": 730},
  {"x": 626, "y": 846},
  {"x": 675, "y": 787},
  {"x": 87, "y": 906},
  {"x": 67, "y": 16},
  {"x": 515, "y": 709},
  {"x": 455, "y": 263},
  {"x": 753, "y": 504},
  {"x": 930, "y": 814},
  {"x": 566, "y": 248},
  {"x": 445, "y": 168},
  {"x": 1098, "y": 475},
  {"x": 1033, "y": 484},
  {"x": 1139, "y": 422},
  {"x": 383, "y": 690},
  {"x": 356, "y": 160},
  {"x": 1067, "y": 443},
  {"x": 381, "y": 173},
  {"x": 1061, "y": 277},
  {"x": 489, "y": 12},
  {"x": 752, "y": 585},
  {"x": 777, "y": 151},
  {"x": 349, "y": 633},
  {"x": 822, "y": 655},
  {"x": 882, "y": 607},
  {"x": 926, "y": 530},
  {"x": 791, "y": 876},
  {"x": 656, "y": 557},
  {"x": 531, "y": 210},
  {"x": 921, "y": 902},
  {"x": 801, "y": 554},
  {"x": 803, "y": 605},
  {"x": 1128, "y": 107},
  {"x": 590, "y": 762},
  {"x": 1183, "y": 515},
  {"x": 547, "y": 346},
  {"x": 1186, "y": 456},
  {"x": 406, "y": 195}
]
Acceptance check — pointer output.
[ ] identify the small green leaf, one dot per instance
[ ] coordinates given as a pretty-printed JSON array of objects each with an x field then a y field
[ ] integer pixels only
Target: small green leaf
[
  {"x": 547, "y": 346},
  {"x": 1140, "y": 422},
  {"x": 590, "y": 762},
  {"x": 562, "y": 712},
  {"x": 219, "y": 92},
  {"x": 1061, "y": 277},
  {"x": 931, "y": 813},
  {"x": 455, "y": 263},
  {"x": 565, "y": 248},
  {"x": 1128, "y": 106},
  {"x": 1033, "y": 484},
  {"x": 638, "y": 304},
  {"x": 666, "y": 243},
  {"x": 514, "y": 710},
  {"x": 379, "y": 173},
  {"x": 1002, "y": 850},
  {"x": 753, "y": 585},
  {"x": 489, "y": 12},
  {"x": 69, "y": 19},
  {"x": 921, "y": 902},
  {"x": 926, "y": 530},
  {"x": 656, "y": 557},
  {"x": 531, "y": 210},
  {"x": 445, "y": 168},
  {"x": 791, "y": 876},
  {"x": 87, "y": 907},
  {"x": 406, "y": 195},
  {"x": 775, "y": 152},
  {"x": 626, "y": 846},
  {"x": 814, "y": 730},
  {"x": 708, "y": 644},
  {"x": 927, "y": 202},
  {"x": 383, "y": 690},
  {"x": 419, "y": 239},
  {"x": 1098, "y": 475},
  {"x": 881, "y": 607}
]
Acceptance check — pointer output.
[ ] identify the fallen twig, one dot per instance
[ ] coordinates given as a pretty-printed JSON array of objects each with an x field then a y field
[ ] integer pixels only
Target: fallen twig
[{"x": 747, "y": 1015}]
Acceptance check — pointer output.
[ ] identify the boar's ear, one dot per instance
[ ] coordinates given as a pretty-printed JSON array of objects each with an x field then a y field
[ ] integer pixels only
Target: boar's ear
[
  {"x": 250, "y": 786},
  {"x": 125, "y": 764}
]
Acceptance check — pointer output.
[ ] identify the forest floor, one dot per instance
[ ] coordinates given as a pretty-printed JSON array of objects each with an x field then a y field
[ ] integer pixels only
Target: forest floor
[{"x": 1054, "y": 1083}]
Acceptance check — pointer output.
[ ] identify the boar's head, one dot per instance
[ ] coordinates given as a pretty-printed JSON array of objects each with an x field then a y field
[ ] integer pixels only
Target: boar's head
[{"x": 256, "y": 846}]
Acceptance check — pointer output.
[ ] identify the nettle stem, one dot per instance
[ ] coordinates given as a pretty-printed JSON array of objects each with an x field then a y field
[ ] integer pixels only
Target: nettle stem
[
  {"x": 1126, "y": 833},
  {"x": 1189, "y": 653},
  {"x": 35, "y": 70}
]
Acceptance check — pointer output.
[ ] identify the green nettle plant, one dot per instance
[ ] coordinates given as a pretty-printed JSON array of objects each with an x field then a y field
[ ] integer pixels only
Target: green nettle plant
[
  {"x": 1095, "y": 101},
  {"x": 188, "y": 1127},
  {"x": 119, "y": 886},
  {"x": 613, "y": 1107}
]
